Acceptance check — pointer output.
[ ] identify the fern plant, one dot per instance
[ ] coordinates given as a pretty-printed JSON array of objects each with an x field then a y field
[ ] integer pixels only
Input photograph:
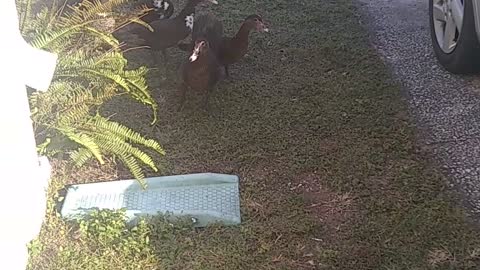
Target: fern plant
[{"x": 91, "y": 70}]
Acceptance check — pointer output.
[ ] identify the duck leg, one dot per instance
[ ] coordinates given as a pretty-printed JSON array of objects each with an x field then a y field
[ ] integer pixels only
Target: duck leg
[
  {"x": 227, "y": 74},
  {"x": 207, "y": 97},
  {"x": 156, "y": 60},
  {"x": 183, "y": 92},
  {"x": 165, "y": 56},
  {"x": 165, "y": 62}
]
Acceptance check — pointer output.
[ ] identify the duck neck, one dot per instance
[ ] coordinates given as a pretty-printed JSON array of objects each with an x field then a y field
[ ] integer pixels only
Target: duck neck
[
  {"x": 242, "y": 34},
  {"x": 202, "y": 59},
  {"x": 188, "y": 10}
]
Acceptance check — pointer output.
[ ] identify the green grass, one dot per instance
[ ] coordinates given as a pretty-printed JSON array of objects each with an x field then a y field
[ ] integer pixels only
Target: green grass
[{"x": 331, "y": 177}]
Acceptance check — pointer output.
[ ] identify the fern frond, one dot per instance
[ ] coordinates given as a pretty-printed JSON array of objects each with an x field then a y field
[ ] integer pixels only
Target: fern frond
[
  {"x": 109, "y": 66},
  {"x": 81, "y": 156},
  {"x": 91, "y": 69},
  {"x": 111, "y": 60},
  {"x": 116, "y": 145},
  {"x": 42, "y": 148},
  {"x": 138, "y": 21},
  {"x": 25, "y": 8},
  {"x": 89, "y": 10},
  {"x": 85, "y": 141},
  {"x": 109, "y": 75},
  {"x": 106, "y": 93},
  {"x": 81, "y": 59},
  {"x": 140, "y": 91},
  {"x": 50, "y": 36},
  {"x": 73, "y": 115},
  {"x": 66, "y": 103},
  {"x": 107, "y": 38},
  {"x": 127, "y": 133},
  {"x": 136, "y": 78},
  {"x": 76, "y": 59},
  {"x": 134, "y": 168}
]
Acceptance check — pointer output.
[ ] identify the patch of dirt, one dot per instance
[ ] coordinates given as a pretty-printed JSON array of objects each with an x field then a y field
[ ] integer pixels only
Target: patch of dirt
[
  {"x": 334, "y": 211},
  {"x": 439, "y": 256}
]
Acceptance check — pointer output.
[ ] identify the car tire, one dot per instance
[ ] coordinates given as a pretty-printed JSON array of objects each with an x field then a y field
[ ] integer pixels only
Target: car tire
[{"x": 465, "y": 57}]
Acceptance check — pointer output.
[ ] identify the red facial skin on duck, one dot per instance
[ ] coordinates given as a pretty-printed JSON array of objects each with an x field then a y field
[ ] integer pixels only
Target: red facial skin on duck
[{"x": 260, "y": 26}]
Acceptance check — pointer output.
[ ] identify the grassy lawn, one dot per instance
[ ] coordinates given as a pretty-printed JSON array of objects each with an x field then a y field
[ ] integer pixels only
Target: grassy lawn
[{"x": 331, "y": 177}]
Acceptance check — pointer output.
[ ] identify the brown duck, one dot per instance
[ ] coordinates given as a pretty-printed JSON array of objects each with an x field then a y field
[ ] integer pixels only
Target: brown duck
[
  {"x": 232, "y": 49},
  {"x": 202, "y": 70}
]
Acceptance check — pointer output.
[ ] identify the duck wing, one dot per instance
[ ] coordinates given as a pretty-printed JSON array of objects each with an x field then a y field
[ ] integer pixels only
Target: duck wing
[{"x": 166, "y": 33}]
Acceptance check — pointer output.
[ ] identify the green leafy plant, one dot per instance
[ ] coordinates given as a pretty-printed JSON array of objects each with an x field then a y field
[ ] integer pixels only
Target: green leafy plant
[
  {"x": 91, "y": 70},
  {"x": 102, "y": 238},
  {"x": 109, "y": 229}
]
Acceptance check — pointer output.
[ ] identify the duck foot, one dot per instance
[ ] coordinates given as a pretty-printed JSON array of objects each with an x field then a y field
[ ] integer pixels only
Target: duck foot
[
  {"x": 226, "y": 75},
  {"x": 180, "y": 108}
]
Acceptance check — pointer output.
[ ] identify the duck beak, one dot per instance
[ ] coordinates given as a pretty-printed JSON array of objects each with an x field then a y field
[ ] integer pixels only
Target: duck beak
[
  {"x": 194, "y": 55},
  {"x": 263, "y": 28}
]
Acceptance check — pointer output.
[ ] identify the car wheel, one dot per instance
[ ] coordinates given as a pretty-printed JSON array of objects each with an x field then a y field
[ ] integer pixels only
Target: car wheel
[{"x": 455, "y": 42}]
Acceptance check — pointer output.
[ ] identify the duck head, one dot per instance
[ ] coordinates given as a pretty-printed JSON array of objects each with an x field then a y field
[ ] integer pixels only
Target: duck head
[
  {"x": 201, "y": 46},
  {"x": 164, "y": 8},
  {"x": 256, "y": 22}
]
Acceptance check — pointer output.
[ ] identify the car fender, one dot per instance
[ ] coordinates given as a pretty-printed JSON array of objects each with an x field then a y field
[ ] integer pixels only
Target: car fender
[{"x": 476, "y": 14}]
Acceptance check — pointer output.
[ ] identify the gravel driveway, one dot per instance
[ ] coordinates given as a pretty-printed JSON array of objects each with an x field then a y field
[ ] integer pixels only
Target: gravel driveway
[{"x": 446, "y": 107}]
